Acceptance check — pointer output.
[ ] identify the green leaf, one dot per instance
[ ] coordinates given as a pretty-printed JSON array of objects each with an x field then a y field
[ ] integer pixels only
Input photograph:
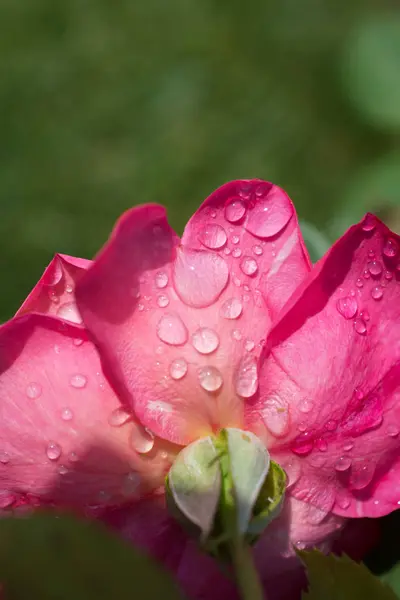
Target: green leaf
[
  {"x": 45, "y": 557},
  {"x": 371, "y": 69},
  {"x": 340, "y": 578}
]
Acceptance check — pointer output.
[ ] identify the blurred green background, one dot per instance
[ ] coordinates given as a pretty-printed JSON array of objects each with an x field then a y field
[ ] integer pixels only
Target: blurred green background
[{"x": 107, "y": 104}]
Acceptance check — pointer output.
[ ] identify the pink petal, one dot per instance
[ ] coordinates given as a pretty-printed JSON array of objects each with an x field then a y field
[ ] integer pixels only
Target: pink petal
[
  {"x": 54, "y": 294},
  {"x": 330, "y": 385},
  {"x": 182, "y": 325},
  {"x": 64, "y": 437}
]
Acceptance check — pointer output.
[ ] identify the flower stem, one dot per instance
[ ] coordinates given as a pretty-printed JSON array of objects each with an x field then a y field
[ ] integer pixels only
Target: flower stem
[{"x": 245, "y": 571}]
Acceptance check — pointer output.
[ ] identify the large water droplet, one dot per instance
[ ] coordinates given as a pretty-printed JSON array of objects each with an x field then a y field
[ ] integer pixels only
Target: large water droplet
[
  {"x": 360, "y": 326},
  {"x": 54, "y": 273},
  {"x": 231, "y": 308},
  {"x": 249, "y": 266},
  {"x": 172, "y": 330},
  {"x": 377, "y": 292},
  {"x": 118, "y": 417},
  {"x": 210, "y": 378},
  {"x": 178, "y": 368},
  {"x": 142, "y": 439},
  {"x": 78, "y": 381},
  {"x": 235, "y": 210},
  {"x": 275, "y": 414},
  {"x": 199, "y": 276},
  {"x": 347, "y": 306},
  {"x": 33, "y": 390},
  {"x": 361, "y": 476},
  {"x": 390, "y": 248},
  {"x": 247, "y": 377},
  {"x": 205, "y": 340},
  {"x": 161, "y": 279},
  {"x": 213, "y": 236},
  {"x": 53, "y": 451},
  {"x": 375, "y": 268},
  {"x": 162, "y": 301},
  {"x": 69, "y": 312},
  {"x": 303, "y": 443},
  {"x": 270, "y": 214},
  {"x": 369, "y": 223},
  {"x": 66, "y": 414},
  {"x": 343, "y": 463}
]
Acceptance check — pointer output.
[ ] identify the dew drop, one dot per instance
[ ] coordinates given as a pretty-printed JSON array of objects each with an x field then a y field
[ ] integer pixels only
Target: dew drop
[
  {"x": 343, "y": 500},
  {"x": 227, "y": 250},
  {"x": 236, "y": 253},
  {"x": 247, "y": 377},
  {"x": 293, "y": 471},
  {"x": 213, "y": 236},
  {"x": 205, "y": 340},
  {"x": 348, "y": 446},
  {"x": 275, "y": 414},
  {"x": 33, "y": 390},
  {"x": 161, "y": 279},
  {"x": 249, "y": 266},
  {"x": 69, "y": 312},
  {"x": 306, "y": 406},
  {"x": 78, "y": 342},
  {"x": 237, "y": 335},
  {"x": 178, "y": 368},
  {"x": 142, "y": 440},
  {"x": 369, "y": 223},
  {"x": 303, "y": 443},
  {"x": 235, "y": 239},
  {"x": 53, "y": 451},
  {"x": 361, "y": 476},
  {"x": 270, "y": 214},
  {"x": 78, "y": 381},
  {"x": 360, "y": 326},
  {"x": 257, "y": 250},
  {"x": 331, "y": 425},
  {"x": 73, "y": 457},
  {"x": 347, "y": 306},
  {"x": 359, "y": 283},
  {"x": 235, "y": 210},
  {"x": 390, "y": 248},
  {"x": 69, "y": 288},
  {"x": 375, "y": 268},
  {"x": 140, "y": 307},
  {"x": 392, "y": 431},
  {"x": 66, "y": 414},
  {"x": 302, "y": 426},
  {"x": 171, "y": 330},
  {"x": 364, "y": 314},
  {"x": 231, "y": 308},
  {"x": 118, "y": 417},
  {"x": 162, "y": 301},
  {"x": 53, "y": 296},
  {"x": 388, "y": 275},
  {"x": 343, "y": 463},
  {"x": 62, "y": 470},
  {"x": 130, "y": 484},
  {"x": 377, "y": 292},
  {"x": 249, "y": 345},
  {"x": 4, "y": 458},
  {"x": 321, "y": 445},
  {"x": 210, "y": 378}
]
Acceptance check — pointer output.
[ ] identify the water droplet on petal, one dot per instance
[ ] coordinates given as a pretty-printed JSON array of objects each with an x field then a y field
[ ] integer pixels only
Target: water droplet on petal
[
  {"x": 303, "y": 443},
  {"x": 33, "y": 390},
  {"x": 205, "y": 340},
  {"x": 343, "y": 500},
  {"x": 331, "y": 425},
  {"x": 392, "y": 430},
  {"x": 235, "y": 210},
  {"x": 257, "y": 250},
  {"x": 249, "y": 345},
  {"x": 62, "y": 470},
  {"x": 237, "y": 335},
  {"x": 231, "y": 308},
  {"x": 390, "y": 248},
  {"x": 66, "y": 414},
  {"x": 348, "y": 446},
  {"x": 236, "y": 252},
  {"x": 78, "y": 381},
  {"x": 178, "y": 368},
  {"x": 347, "y": 307},
  {"x": 306, "y": 406},
  {"x": 213, "y": 236},
  {"x": 361, "y": 476},
  {"x": 270, "y": 214},
  {"x": 161, "y": 279},
  {"x": 360, "y": 326},
  {"x": 142, "y": 439},
  {"x": 235, "y": 239},
  {"x": 275, "y": 414},
  {"x": 377, "y": 292},
  {"x": 53, "y": 451},
  {"x": 293, "y": 470},
  {"x": 343, "y": 463},
  {"x": 130, "y": 484},
  {"x": 247, "y": 377},
  {"x": 118, "y": 417},
  {"x": 4, "y": 458},
  {"x": 199, "y": 276},
  {"x": 162, "y": 301},
  {"x": 73, "y": 457},
  {"x": 369, "y": 223},
  {"x": 69, "y": 312},
  {"x": 359, "y": 283},
  {"x": 172, "y": 330},
  {"x": 210, "y": 379},
  {"x": 69, "y": 288},
  {"x": 322, "y": 445},
  {"x": 388, "y": 275},
  {"x": 227, "y": 250},
  {"x": 249, "y": 266},
  {"x": 78, "y": 342},
  {"x": 375, "y": 268}
]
